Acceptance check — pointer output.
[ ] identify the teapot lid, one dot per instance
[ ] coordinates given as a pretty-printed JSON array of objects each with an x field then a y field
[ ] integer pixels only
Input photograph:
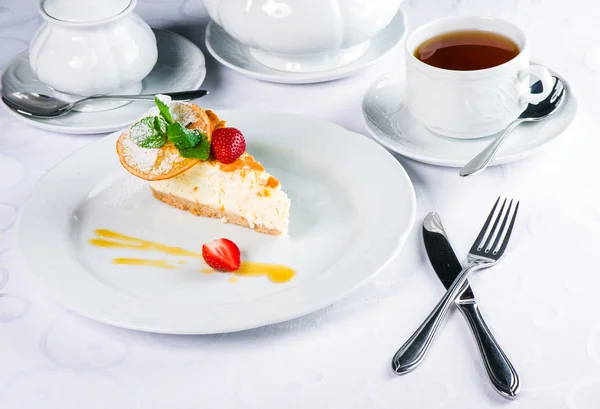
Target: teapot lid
[{"x": 83, "y": 11}]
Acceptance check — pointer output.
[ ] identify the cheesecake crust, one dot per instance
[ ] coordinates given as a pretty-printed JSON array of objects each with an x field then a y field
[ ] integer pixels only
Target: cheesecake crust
[{"x": 199, "y": 209}]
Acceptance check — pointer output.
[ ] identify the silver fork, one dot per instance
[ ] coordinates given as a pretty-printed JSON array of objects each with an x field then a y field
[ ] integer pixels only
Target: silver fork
[{"x": 488, "y": 248}]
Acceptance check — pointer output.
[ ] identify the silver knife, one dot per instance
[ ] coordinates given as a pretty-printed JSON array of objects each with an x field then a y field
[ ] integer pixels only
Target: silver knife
[{"x": 502, "y": 374}]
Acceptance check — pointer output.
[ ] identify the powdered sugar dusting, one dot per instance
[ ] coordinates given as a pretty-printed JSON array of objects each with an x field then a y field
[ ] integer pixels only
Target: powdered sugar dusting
[
  {"x": 138, "y": 157},
  {"x": 156, "y": 161},
  {"x": 165, "y": 99},
  {"x": 140, "y": 132},
  {"x": 182, "y": 113},
  {"x": 167, "y": 162}
]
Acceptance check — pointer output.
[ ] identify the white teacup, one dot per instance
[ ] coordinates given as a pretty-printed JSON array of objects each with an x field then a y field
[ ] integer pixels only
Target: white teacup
[{"x": 471, "y": 104}]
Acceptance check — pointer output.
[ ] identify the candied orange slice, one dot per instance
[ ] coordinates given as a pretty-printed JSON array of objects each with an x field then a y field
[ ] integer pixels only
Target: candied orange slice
[
  {"x": 165, "y": 162},
  {"x": 215, "y": 121}
]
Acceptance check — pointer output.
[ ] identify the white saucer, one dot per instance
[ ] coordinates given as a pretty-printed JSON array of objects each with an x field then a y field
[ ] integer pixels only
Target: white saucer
[
  {"x": 390, "y": 123},
  {"x": 237, "y": 56},
  {"x": 180, "y": 67}
]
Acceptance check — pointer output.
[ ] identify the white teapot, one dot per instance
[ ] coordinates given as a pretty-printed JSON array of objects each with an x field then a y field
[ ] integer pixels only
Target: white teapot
[
  {"x": 89, "y": 47},
  {"x": 303, "y": 35}
]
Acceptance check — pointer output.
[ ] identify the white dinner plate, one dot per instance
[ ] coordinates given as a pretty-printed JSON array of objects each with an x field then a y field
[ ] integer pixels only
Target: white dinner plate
[
  {"x": 180, "y": 67},
  {"x": 235, "y": 55},
  {"x": 391, "y": 124},
  {"x": 353, "y": 206}
]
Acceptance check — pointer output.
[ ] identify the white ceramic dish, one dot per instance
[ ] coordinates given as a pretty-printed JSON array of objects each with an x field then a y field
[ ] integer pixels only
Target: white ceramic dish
[
  {"x": 238, "y": 57},
  {"x": 347, "y": 223},
  {"x": 180, "y": 66},
  {"x": 389, "y": 121},
  {"x": 90, "y": 47},
  {"x": 303, "y": 35}
]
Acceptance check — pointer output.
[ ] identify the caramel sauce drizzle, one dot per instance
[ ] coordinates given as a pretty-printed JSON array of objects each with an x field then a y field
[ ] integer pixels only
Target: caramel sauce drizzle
[
  {"x": 144, "y": 262},
  {"x": 107, "y": 239},
  {"x": 277, "y": 273},
  {"x": 110, "y": 239}
]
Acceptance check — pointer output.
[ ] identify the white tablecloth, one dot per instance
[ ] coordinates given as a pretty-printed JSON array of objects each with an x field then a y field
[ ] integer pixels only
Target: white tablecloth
[{"x": 541, "y": 302}]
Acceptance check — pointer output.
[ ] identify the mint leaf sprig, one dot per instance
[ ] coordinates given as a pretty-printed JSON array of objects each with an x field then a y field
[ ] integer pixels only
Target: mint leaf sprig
[
  {"x": 147, "y": 133},
  {"x": 164, "y": 110},
  {"x": 152, "y": 132},
  {"x": 190, "y": 142}
]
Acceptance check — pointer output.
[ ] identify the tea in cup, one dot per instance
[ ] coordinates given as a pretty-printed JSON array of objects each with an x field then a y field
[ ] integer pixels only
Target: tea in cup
[{"x": 468, "y": 77}]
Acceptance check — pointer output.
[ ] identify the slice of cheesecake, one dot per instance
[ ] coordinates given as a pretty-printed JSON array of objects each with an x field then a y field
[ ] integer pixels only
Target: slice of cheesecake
[{"x": 241, "y": 192}]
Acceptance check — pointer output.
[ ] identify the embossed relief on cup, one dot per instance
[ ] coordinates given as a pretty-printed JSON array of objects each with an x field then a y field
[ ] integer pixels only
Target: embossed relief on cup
[{"x": 493, "y": 103}]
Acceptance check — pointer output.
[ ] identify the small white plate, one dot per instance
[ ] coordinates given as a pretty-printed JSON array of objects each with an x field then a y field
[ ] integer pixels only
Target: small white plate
[
  {"x": 180, "y": 67},
  {"x": 390, "y": 123},
  {"x": 353, "y": 206},
  {"x": 237, "y": 56}
]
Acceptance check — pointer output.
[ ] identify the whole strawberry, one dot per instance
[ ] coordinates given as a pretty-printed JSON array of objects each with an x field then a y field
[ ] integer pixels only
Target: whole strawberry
[{"x": 227, "y": 144}]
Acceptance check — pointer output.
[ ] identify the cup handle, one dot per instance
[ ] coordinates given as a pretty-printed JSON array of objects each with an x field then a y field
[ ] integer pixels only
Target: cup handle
[{"x": 547, "y": 84}]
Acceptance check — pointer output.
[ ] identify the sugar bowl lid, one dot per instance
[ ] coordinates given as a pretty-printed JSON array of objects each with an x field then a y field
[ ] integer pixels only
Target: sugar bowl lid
[{"x": 83, "y": 11}]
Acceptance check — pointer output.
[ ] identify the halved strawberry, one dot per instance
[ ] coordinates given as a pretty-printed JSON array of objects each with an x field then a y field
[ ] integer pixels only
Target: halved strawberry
[
  {"x": 221, "y": 255},
  {"x": 227, "y": 144}
]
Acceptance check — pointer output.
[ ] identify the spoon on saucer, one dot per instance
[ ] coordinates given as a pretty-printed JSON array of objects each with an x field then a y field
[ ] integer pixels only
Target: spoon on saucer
[
  {"x": 44, "y": 106},
  {"x": 532, "y": 113}
]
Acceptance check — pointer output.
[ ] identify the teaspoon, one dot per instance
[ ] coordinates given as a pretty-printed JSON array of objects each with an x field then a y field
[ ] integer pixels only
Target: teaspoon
[
  {"x": 532, "y": 113},
  {"x": 44, "y": 106}
]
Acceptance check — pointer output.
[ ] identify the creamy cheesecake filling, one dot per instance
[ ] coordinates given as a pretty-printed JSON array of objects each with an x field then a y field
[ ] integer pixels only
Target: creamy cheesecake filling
[{"x": 248, "y": 193}]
